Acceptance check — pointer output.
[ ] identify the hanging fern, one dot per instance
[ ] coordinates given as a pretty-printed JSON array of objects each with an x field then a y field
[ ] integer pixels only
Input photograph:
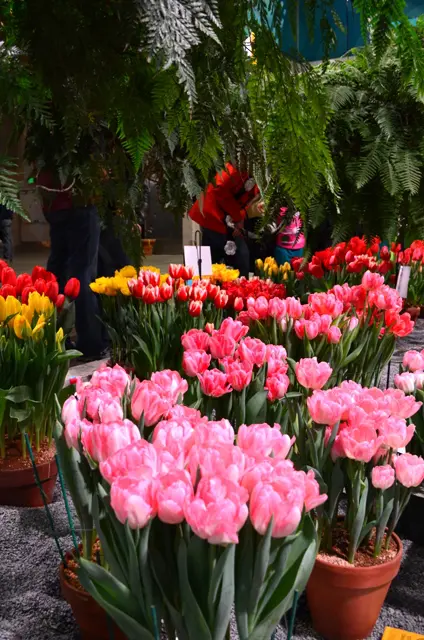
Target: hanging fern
[{"x": 9, "y": 187}]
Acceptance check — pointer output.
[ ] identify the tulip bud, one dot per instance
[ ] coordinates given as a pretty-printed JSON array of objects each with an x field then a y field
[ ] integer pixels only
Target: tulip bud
[
  {"x": 182, "y": 293},
  {"x": 72, "y": 288},
  {"x": 221, "y": 300},
  {"x": 238, "y": 304},
  {"x": 166, "y": 291},
  {"x": 195, "y": 308}
]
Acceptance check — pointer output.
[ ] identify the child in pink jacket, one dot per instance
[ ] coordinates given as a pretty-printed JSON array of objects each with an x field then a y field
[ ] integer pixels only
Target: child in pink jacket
[{"x": 290, "y": 241}]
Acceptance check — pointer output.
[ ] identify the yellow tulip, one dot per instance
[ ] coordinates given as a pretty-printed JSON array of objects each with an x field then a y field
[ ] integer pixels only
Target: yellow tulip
[
  {"x": 41, "y": 322},
  {"x": 3, "y": 313},
  {"x": 259, "y": 264},
  {"x": 21, "y": 327},
  {"x": 27, "y": 312},
  {"x": 127, "y": 272},
  {"x": 60, "y": 336},
  {"x": 13, "y": 306}
]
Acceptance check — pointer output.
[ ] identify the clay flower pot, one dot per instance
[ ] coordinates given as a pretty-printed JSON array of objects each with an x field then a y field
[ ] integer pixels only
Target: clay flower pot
[
  {"x": 148, "y": 245},
  {"x": 91, "y": 618},
  {"x": 19, "y": 489},
  {"x": 345, "y": 601},
  {"x": 413, "y": 311}
]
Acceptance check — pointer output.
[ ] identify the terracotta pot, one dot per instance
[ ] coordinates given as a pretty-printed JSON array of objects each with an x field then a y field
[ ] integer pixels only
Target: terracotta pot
[
  {"x": 19, "y": 489},
  {"x": 345, "y": 601},
  {"x": 91, "y": 618},
  {"x": 414, "y": 312},
  {"x": 148, "y": 244}
]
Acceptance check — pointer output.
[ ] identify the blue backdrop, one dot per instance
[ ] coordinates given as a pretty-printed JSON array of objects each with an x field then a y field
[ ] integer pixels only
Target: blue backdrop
[{"x": 351, "y": 38}]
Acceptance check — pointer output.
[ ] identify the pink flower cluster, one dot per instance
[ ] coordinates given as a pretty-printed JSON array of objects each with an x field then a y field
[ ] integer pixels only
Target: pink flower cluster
[
  {"x": 329, "y": 314},
  {"x": 413, "y": 377},
  {"x": 372, "y": 422},
  {"x": 252, "y": 479},
  {"x": 95, "y": 414},
  {"x": 238, "y": 356}
]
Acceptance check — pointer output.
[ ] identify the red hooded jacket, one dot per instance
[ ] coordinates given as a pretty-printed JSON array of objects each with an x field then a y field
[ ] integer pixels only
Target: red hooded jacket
[{"x": 229, "y": 196}]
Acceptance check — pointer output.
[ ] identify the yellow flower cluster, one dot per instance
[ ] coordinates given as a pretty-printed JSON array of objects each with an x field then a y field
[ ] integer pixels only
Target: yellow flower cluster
[
  {"x": 27, "y": 320},
  {"x": 119, "y": 282},
  {"x": 270, "y": 268},
  {"x": 220, "y": 273}
]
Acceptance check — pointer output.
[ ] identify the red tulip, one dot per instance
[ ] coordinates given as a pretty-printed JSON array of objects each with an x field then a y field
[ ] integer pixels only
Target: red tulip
[
  {"x": 72, "y": 288},
  {"x": 187, "y": 273},
  {"x": 60, "y": 300},
  {"x": 195, "y": 308},
  {"x": 25, "y": 294},
  {"x": 166, "y": 291},
  {"x": 151, "y": 294},
  {"x": 8, "y": 276},
  {"x": 182, "y": 294},
  {"x": 40, "y": 286},
  {"x": 221, "y": 300},
  {"x": 52, "y": 290},
  {"x": 23, "y": 281},
  {"x": 238, "y": 304},
  {"x": 8, "y": 290},
  {"x": 38, "y": 272}
]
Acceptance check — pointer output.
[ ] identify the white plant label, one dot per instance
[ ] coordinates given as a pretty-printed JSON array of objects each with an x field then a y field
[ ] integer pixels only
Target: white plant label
[{"x": 403, "y": 281}]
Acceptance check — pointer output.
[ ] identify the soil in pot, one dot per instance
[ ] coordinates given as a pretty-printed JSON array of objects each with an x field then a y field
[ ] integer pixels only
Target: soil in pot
[
  {"x": 413, "y": 311},
  {"x": 92, "y": 620},
  {"x": 18, "y": 487},
  {"x": 345, "y": 600}
]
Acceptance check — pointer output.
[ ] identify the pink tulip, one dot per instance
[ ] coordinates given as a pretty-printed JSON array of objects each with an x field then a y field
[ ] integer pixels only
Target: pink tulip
[
  {"x": 399, "y": 405},
  {"x": 214, "y": 383},
  {"x": 195, "y": 362},
  {"x": 138, "y": 460},
  {"x": 281, "y": 500},
  {"x": 239, "y": 374},
  {"x": 233, "y": 329},
  {"x": 324, "y": 322},
  {"x": 266, "y": 470},
  {"x": 409, "y": 470},
  {"x": 175, "y": 436},
  {"x": 221, "y": 346},
  {"x": 70, "y": 410},
  {"x": 181, "y": 412},
  {"x": 353, "y": 323},
  {"x": 222, "y": 460},
  {"x": 253, "y": 351},
  {"x": 73, "y": 431},
  {"x": 148, "y": 401},
  {"x": 275, "y": 352},
  {"x": 90, "y": 400},
  {"x": 110, "y": 411},
  {"x": 383, "y": 477},
  {"x": 114, "y": 380},
  {"x": 277, "y": 308},
  {"x": 325, "y": 304},
  {"x": 211, "y": 433},
  {"x": 360, "y": 443},
  {"x": 419, "y": 379},
  {"x": 277, "y": 386},
  {"x": 174, "y": 493},
  {"x": 313, "y": 497},
  {"x": 311, "y": 329},
  {"x": 195, "y": 339},
  {"x": 413, "y": 360},
  {"x": 372, "y": 280},
  {"x": 103, "y": 440},
  {"x": 405, "y": 382},
  {"x": 218, "y": 510},
  {"x": 334, "y": 335},
  {"x": 171, "y": 383},
  {"x": 133, "y": 501},
  {"x": 312, "y": 374},
  {"x": 323, "y": 410},
  {"x": 294, "y": 308},
  {"x": 260, "y": 440}
]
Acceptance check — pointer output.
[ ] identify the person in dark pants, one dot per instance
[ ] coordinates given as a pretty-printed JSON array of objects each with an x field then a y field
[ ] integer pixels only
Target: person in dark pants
[
  {"x": 74, "y": 237},
  {"x": 6, "y": 216}
]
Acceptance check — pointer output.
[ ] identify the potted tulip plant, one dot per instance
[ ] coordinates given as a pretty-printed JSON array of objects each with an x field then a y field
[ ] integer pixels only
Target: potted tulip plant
[
  {"x": 33, "y": 367},
  {"x": 411, "y": 381},
  {"x": 352, "y": 439},
  {"x": 190, "y": 524}
]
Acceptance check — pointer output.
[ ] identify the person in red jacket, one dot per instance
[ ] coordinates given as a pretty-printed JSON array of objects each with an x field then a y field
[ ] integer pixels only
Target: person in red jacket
[{"x": 233, "y": 195}]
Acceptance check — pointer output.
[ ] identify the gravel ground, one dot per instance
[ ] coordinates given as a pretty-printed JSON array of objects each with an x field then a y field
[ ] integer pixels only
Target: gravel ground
[{"x": 31, "y": 606}]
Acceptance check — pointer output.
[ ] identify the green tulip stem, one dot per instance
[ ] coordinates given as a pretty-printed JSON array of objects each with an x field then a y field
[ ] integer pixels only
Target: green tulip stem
[
  {"x": 43, "y": 496},
  {"x": 65, "y": 500},
  {"x": 155, "y": 622},
  {"x": 293, "y": 615}
]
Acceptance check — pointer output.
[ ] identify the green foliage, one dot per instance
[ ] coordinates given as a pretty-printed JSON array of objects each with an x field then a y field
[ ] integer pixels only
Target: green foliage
[
  {"x": 376, "y": 134},
  {"x": 9, "y": 187}
]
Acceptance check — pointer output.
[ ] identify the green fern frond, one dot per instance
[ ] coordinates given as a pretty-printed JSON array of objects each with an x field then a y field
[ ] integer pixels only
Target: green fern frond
[{"x": 9, "y": 187}]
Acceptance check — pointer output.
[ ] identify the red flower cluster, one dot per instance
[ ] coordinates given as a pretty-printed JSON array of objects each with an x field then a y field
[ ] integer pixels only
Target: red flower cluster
[
  {"x": 41, "y": 280},
  {"x": 355, "y": 257},
  {"x": 239, "y": 291},
  {"x": 415, "y": 253}
]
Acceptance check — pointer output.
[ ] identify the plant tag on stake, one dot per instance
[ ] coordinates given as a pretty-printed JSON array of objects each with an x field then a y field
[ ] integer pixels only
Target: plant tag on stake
[
  {"x": 403, "y": 281},
  {"x": 191, "y": 259},
  {"x": 399, "y": 634}
]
